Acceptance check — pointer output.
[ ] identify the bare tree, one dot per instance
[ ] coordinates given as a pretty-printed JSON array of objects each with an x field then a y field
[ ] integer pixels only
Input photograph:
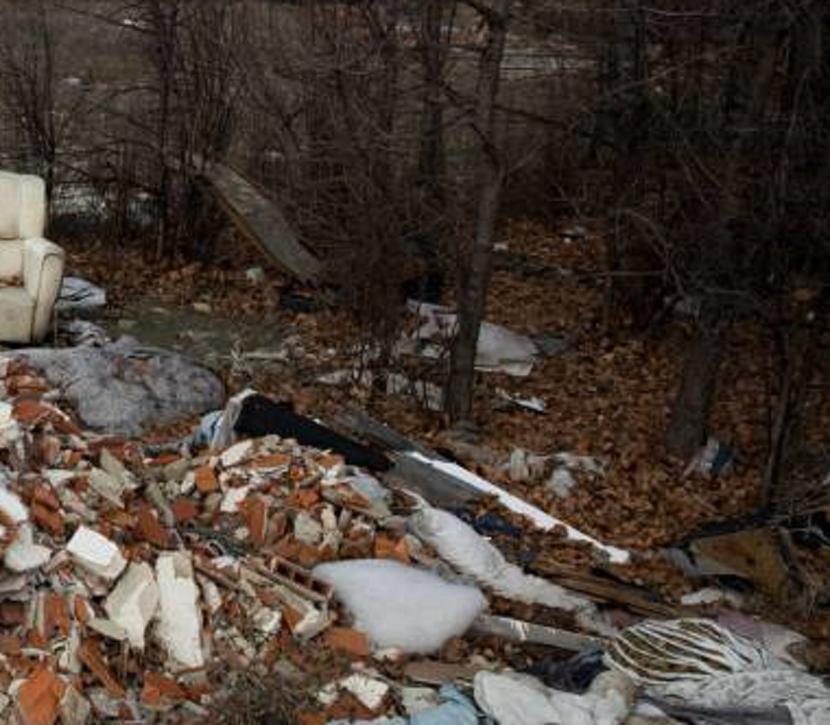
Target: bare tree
[
  {"x": 475, "y": 271},
  {"x": 27, "y": 83}
]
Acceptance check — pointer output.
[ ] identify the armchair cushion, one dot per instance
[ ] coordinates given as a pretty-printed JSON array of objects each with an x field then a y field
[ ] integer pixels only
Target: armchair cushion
[
  {"x": 11, "y": 257},
  {"x": 17, "y": 310},
  {"x": 30, "y": 267},
  {"x": 42, "y": 273},
  {"x": 22, "y": 206}
]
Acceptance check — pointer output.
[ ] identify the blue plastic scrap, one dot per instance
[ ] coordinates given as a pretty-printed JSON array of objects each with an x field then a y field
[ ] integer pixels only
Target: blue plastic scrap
[{"x": 456, "y": 709}]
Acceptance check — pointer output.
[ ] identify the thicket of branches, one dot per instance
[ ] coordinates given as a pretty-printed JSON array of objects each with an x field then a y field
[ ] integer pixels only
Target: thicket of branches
[{"x": 397, "y": 135}]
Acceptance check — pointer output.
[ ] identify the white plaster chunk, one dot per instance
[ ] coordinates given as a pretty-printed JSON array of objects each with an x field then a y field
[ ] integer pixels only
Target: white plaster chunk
[
  {"x": 134, "y": 601},
  {"x": 24, "y": 554},
  {"x": 13, "y": 507},
  {"x": 232, "y": 499},
  {"x": 106, "y": 486},
  {"x": 180, "y": 621},
  {"x": 109, "y": 629},
  {"x": 96, "y": 553}
]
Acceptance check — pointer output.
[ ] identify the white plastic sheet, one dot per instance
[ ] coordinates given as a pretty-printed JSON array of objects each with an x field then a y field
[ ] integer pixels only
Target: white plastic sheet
[{"x": 471, "y": 554}]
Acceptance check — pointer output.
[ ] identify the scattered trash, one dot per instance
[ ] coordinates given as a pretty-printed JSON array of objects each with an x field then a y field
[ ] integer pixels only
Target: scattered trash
[
  {"x": 522, "y": 700},
  {"x": 539, "y": 518},
  {"x": 255, "y": 275},
  {"x": 565, "y": 465},
  {"x": 456, "y": 709},
  {"x": 499, "y": 349},
  {"x": 714, "y": 459},
  {"x": 78, "y": 294},
  {"x": 698, "y": 663},
  {"x": 250, "y": 414},
  {"x": 534, "y": 404},
  {"x": 753, "y": 554},
  {"x": 147, "y": 580}
]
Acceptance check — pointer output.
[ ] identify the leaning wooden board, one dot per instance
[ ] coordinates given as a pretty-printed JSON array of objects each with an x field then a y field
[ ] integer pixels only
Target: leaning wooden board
[{"x": 263, "y": 222}]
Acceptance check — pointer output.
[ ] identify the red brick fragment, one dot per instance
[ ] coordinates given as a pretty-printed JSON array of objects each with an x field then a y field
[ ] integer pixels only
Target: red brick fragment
[
  {"x": 10, "y": 645},
  {"x": 48, "y": 519},
  {"x": 206, "y": 480},
  {"x": 55, "y": 615},
  {"x": 184, "y": 509},
  {"x": 90, "y": 654},
  {"x": 39, "y": 698},
  {"x": 352, "y": 642},
  {"x": 151, "y": 530},
  {"x": 254, "y": 511},
  {"x": 159, "y": 691}
]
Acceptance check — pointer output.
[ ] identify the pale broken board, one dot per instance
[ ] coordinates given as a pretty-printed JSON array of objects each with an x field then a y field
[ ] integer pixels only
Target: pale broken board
[{"x": 262, "y": 221}]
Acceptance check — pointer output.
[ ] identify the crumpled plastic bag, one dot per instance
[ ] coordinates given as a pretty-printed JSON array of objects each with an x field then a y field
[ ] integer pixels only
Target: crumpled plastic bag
[
  {"x": 456, "y": 709},
  {"x": 514, "y": 699}
]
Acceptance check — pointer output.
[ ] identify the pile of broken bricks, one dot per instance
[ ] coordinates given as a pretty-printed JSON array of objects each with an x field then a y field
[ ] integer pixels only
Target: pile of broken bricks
[
  {"x": 147, "y": 583},
  {"x": 132, "y": 584}
]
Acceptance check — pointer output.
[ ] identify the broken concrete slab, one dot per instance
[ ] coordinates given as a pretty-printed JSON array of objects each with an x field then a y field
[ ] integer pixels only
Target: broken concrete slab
[{"x": 124, "y": 388}]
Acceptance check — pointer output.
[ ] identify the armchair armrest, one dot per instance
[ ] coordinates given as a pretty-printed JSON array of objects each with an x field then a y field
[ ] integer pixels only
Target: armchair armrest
[{"x": 42, "y": 274}]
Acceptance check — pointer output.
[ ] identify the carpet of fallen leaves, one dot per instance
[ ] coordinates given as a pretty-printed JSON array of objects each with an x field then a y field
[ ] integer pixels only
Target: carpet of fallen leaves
[{"x": 608, "y": 396}]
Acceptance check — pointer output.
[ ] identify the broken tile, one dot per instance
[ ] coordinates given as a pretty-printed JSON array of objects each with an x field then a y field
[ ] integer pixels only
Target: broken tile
[
  {"x": 369, "y": 691},
  {"x": 113, "y": 466},
  {"x": 48, "y": 519},
  {"x": 307, "y": 530},
  {"x": 233, "y": 498},
  {"x": 254, "y": 510},
  {"x": 12, "y": 508},
  {"x": 151, "y": 530},
  {"x": 74, "y": 708},
  {"x": 184, "y": 510},
  {"x": 237, "y": 453}
]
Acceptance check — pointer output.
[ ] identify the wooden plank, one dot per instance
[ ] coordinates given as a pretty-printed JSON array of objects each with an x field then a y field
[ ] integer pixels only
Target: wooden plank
[
  {"x": 261, "y": 220},
  {"x": 516, "y": 630},
  {"x": 609, "y": 591}
]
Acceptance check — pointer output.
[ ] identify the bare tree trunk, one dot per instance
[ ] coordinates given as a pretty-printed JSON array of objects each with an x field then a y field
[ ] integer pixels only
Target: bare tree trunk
[
  {"x": 431, "y": 154},
  {"x": 473, "y": 288},
  {"x": 690, "y": 412}
]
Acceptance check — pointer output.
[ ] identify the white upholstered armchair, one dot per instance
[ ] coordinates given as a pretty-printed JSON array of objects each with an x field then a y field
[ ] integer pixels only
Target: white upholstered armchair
[{"x": 31, "y": 267}]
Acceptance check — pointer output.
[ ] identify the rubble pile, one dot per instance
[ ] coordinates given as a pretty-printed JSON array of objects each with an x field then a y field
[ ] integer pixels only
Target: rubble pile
[{"x": 147, "y": 583}]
